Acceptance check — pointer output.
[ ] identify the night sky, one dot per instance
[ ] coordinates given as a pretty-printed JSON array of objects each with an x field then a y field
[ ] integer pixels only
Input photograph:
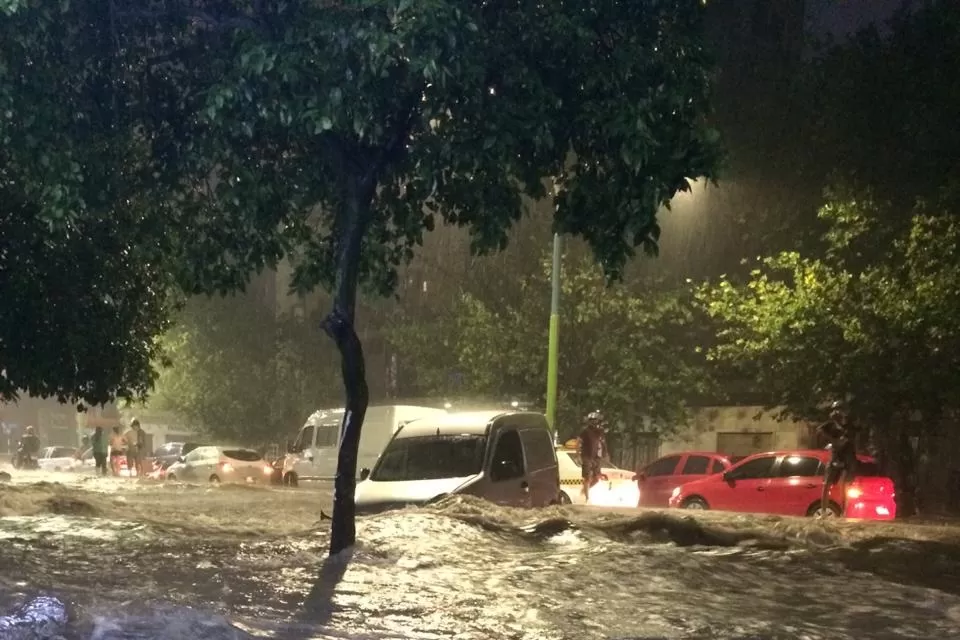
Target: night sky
[{"x": 839, "y": 17}]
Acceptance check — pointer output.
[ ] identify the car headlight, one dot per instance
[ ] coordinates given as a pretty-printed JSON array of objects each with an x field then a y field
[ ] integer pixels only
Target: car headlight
[{"x": 675, "y": 494}]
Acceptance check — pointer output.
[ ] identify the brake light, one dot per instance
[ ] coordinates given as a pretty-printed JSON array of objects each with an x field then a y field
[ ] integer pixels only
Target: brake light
[
  {"x": 854, "y": 492},
  {"x": 267, "y": 470},
  {"x": 226, "y": 467}
]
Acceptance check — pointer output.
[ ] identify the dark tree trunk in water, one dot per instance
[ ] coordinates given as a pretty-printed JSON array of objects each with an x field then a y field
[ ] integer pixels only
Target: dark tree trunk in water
[{"x": 339, "y": 325}]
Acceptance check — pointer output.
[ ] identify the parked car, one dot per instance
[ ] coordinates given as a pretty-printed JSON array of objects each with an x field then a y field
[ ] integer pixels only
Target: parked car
[
  {"x": 58, "y": 459},
  {"x": 617, "y": 487},
  {"x": 658, "y": 479},
  {"x": 504, "y": 457},
  {"x": 789, "y": 483},
  {"x": 216, "y": 464}
]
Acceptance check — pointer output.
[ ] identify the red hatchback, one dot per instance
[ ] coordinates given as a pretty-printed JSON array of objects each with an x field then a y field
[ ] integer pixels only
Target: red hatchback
[
  {"x": 789, "y": 483},
  {"x": 659, "y": 478}
]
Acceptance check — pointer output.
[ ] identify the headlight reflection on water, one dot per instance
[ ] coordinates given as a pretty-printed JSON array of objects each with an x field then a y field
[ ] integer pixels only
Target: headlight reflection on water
[{"x": 608, "y": 494}]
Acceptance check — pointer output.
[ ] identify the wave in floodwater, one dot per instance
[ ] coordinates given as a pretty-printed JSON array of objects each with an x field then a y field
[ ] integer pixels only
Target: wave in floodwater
[{"x": 83, "y": 564}]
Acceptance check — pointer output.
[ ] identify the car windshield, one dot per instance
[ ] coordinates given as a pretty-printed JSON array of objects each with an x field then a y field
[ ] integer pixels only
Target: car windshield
[{"x": 430, "y": 458}]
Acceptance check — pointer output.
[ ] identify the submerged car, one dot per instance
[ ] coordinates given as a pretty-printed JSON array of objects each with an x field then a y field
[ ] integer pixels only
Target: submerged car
[
  {"x": 790, "y": 483},
  {"x": 505, "y": 457},
  {"x": 220, "y": 464}
]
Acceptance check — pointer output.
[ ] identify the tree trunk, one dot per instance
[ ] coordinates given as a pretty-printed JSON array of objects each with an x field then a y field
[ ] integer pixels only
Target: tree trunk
[{"x": 339, "y": 325}]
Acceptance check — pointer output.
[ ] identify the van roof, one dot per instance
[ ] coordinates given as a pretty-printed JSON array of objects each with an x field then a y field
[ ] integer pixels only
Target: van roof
[{"x": 467, "y": 422}]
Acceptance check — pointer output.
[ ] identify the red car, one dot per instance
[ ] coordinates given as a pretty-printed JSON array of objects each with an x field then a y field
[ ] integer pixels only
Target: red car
[
  {"x": 659, "y": 478},
  {"x": 789, "y": 483}
]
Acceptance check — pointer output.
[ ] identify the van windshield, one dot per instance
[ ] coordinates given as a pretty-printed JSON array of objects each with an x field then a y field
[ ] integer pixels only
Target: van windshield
[{"x": 430, "y": 458}]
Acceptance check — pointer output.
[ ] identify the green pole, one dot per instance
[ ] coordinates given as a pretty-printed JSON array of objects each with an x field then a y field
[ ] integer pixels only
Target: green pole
[{"x": 553, "y": 345}]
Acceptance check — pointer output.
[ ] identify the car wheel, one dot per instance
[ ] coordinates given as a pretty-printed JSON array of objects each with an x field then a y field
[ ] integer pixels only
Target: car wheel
[
  {"x": 564, "y": 498},
  {"x": 170, "y": 477},
  {"x": 214, "y": 479},
  {"x": 695, "y": 503},
  {"x": 832, "y": 511},
  {"x": 290, "y": 480}
]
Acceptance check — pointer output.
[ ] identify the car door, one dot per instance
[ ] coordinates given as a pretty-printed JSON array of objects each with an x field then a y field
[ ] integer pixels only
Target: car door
[
  {"x": 507, "y": 470},
  {"x": 796, "y": 484},
  {"x": 192, "y": 463},
  {"x": 542, "y": 472},
  {"x": 743, "y": 486},
  {"x": 656, "y": 481}
]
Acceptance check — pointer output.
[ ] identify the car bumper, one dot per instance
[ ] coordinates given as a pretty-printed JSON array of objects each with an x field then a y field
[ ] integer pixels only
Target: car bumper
[{"x": 872, "y": 509}]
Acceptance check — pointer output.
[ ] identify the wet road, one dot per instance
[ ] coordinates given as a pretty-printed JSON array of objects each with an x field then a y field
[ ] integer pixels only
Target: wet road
[{"x": 134, "y": 560}]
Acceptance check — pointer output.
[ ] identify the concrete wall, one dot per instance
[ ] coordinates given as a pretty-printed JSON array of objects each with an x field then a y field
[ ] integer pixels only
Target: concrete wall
[{"x": 751, "y": 429}]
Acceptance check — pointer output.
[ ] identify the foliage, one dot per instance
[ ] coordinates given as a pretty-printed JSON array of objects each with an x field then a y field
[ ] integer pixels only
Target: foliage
[
  {"x": 629, "y": 355},
  {"x": 887, "y": 106},
  {"x": 242, "y": 372},
  {"x": 881, "y": 334},
  {"x": 337, "y": 133}
]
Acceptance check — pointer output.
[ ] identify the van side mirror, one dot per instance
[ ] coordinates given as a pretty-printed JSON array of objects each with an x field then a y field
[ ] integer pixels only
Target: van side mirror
[
  {"x": 364, "y": 473},
  {"x": 179, "y": 458},
  {"x": 729, "y": 476}
]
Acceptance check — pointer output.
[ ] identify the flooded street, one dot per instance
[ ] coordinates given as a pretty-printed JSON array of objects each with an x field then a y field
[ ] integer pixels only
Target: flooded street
[{"x": 137, "y": 560}]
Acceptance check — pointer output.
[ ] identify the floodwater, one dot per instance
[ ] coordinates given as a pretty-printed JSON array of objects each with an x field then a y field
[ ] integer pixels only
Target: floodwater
[{"x": 105, "y": 559}]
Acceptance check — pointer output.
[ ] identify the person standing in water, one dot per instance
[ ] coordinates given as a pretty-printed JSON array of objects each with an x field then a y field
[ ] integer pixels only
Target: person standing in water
[
  {"x": 843, "y": 457},
  {"x": 100, "y": 447},
  {"x": 592, "y": 447},
  {"x": 135, "y": 440},
  {"x": 118, "y": 450}
]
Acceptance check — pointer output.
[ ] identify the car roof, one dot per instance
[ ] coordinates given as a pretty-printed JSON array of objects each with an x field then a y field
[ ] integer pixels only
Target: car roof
[
  {"x": 709, "y": 454},
  {"x": 467, "y": 422},
  {"x": 813, "y": 453}
]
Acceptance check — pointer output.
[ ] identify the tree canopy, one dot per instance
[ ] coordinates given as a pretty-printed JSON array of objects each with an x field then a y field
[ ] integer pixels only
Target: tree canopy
[
  {"x": 337, "y": 133},
  {"x": 880, "y": 335},
  {"x": 630, "y": 355},
  {"x": 244, "y": 372}
]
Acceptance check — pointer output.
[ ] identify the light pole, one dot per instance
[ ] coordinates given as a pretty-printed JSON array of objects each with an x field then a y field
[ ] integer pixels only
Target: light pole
[{"x": 553, "y": 347}]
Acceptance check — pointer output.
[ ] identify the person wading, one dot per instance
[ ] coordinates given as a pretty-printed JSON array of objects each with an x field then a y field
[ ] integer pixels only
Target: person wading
[
  {"x": 100, "y": 448},
  {"x": 118, "y": 450},
  {"x": 843, "y": 457},
  {"x": 136, "y": 442},
  {"x": 592, "y": 447}
]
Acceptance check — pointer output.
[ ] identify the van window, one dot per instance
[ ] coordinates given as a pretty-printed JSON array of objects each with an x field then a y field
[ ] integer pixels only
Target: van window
[
  {"x": 430, "y": 458},
  {"x": 327, "y": 435},
  {"x": 304, "y": 439},
  {"x": 539, "y": 448},
  {"x": 507, "y": 457}
]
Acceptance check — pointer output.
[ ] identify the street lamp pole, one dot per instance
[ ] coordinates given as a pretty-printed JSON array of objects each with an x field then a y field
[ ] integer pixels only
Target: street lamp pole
[{"x": 553, "y": 348}]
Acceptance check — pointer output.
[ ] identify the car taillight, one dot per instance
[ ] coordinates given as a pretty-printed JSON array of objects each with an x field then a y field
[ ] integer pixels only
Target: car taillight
[
  {"x": 226, "y": 466},
  {"x": 854, "y": 492},
  {"x": 267, "y": 470}
]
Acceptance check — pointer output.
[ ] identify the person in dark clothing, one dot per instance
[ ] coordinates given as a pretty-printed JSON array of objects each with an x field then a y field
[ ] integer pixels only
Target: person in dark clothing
[
  {"x": 843, "y": 457},
  {"x": 592, "y": 446},
  {"x": 100, "y": 447},
  {"x": 29, "y": 446}
]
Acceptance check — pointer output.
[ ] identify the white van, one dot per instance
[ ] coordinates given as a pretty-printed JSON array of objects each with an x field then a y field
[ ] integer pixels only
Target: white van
[
  {"x": 313, "y": 455},
  {"x": 505, "y": 457}
]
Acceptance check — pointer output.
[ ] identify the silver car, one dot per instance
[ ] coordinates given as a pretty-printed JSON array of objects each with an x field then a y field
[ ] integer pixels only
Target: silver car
[
  {"x": 220, "y": 464},
  {"x": 505, "y": 457}
]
